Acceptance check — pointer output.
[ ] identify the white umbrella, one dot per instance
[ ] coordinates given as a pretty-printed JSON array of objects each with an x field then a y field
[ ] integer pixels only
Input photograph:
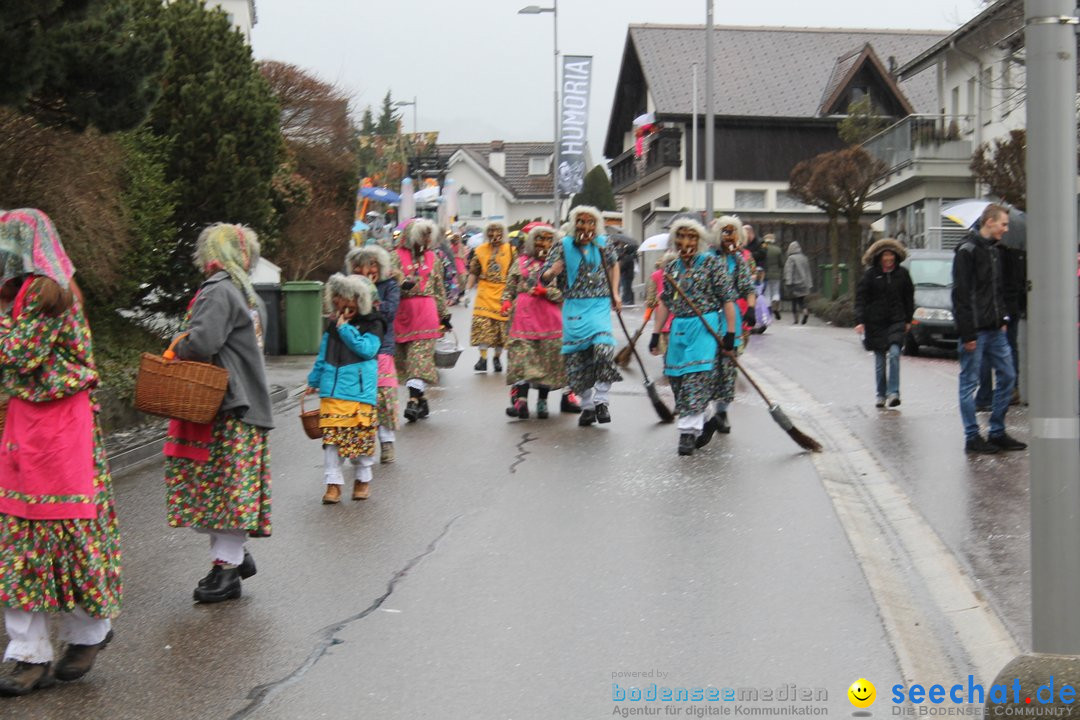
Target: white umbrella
[
  {"x": 407, "y": 209},
  {"x": 965, "y": 212},
  {"x": 475, "y": 241},
  {"x": 656, "y": 242}
]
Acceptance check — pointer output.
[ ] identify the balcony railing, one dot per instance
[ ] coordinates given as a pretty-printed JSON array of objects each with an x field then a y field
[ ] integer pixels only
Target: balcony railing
[
  {"x": 930, "y": 137},
  {"x": 663, "y": 150}
]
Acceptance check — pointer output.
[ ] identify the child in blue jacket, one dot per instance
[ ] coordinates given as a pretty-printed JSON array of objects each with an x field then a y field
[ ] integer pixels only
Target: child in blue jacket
[{"x": 345, "y": 377}]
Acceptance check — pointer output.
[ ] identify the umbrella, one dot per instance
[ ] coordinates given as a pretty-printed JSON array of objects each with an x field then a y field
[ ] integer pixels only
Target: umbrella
[
  {"x": 408, "y": 202},
  {"x": 966, "y": 214},
  {"x": 380, "y": 194},
  {"x": 620, "y": 238},
  {"x": 427, "y": 195},
  {"x": 475, "y": 241},
  {"x": 656, "y": 242}
]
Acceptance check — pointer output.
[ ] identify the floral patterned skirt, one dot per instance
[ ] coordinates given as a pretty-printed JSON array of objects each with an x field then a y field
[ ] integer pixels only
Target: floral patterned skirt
[
  {"x": 349, "y": 426},
  {"x": 416, "y": 359},
  {"x": 231, "y": 490},
  {"x": 587, "y": 367},
  {"x": 386, "y": 403},
  {"x": 488, "y": 331},
  {"x": 538, "y": 362},
  {"x": 58, "y": 565},
  {"x": 694, "y": 391}
]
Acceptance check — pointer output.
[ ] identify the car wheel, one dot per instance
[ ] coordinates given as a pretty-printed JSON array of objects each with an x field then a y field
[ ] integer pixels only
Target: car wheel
[{"x": 911, "y": 348}]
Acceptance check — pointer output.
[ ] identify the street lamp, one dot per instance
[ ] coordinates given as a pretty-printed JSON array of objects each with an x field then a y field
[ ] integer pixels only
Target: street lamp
[
  {"x": 403, "y": 103},
  {"x": 554, "y": 10}
]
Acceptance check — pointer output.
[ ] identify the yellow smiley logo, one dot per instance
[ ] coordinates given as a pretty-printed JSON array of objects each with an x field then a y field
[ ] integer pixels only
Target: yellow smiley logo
[{"x": 862, "y": 693}]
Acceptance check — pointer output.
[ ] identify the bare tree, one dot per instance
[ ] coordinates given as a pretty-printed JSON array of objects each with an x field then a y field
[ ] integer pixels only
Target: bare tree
[
  {"x": 854, "y": 172},
  {"x": 1000, "y": 166},
  {"x": 812, "y": 184}
]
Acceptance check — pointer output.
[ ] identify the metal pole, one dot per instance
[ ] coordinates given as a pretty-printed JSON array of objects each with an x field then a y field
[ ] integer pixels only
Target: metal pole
[
  {"x": 1050, "y": 37},
  {"x": 693, "y": 147},
  {"x": 555, "y": 145},
  {"x": 710, "y": 141},
  {"x": 414, "y": 114}
]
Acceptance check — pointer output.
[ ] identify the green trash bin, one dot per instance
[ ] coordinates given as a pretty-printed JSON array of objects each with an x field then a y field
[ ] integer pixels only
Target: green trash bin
[
  {"x": 827, "y": 280},
  {"x": 303, "y": 316}
]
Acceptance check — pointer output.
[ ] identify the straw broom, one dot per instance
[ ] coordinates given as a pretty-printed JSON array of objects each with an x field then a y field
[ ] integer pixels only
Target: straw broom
[
  {"x": 622, "y": 358},
  {"x": 804, "y": 440}
]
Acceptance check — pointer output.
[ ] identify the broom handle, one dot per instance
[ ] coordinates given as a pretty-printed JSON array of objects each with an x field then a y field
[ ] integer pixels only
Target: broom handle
[
  {"x": 716, "y": 336},
  {"x": 618, "y": 314}
]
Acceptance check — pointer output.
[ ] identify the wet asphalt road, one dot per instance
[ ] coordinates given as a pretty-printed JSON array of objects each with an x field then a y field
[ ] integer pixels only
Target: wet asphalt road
[{"x": 510, "y": 569}]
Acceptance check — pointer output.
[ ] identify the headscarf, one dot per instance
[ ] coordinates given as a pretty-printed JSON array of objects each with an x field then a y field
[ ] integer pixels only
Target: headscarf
[
  {"x": 232, "y": 248},
  {"x": 29, "y": 244}
]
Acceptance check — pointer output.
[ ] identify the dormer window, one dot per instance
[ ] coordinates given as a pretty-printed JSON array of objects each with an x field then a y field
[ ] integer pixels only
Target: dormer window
[{"x": 539, "y": 164}]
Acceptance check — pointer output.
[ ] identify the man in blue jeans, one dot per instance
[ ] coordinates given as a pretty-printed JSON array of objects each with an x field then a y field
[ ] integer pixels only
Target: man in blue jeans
[{"x": 981, "y": 319}]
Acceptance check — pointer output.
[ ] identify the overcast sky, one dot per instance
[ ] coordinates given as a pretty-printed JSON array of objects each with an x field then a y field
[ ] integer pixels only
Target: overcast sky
[{"x": 481, "y": 72}]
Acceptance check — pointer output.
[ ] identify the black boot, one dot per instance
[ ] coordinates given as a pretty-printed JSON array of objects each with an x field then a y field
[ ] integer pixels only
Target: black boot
[
  {"x": 602, "y": 413},
  {"x": 567, "y": 404},
  {"x": 222, "y": 584},
  {"x": 706, "y": 433},
  {"x": 412, "y": 410},
  {"x": 424, "y": 410},
  {"x": 481, "y": 365},
  {"x": 25, "y": 678},
  {"x": 722, "y": 424},
  {"x": 245, "y": 569},
  {"x": 515, "y": 391},
  {"x": 588, "y": 417},
  {"x": 496, "y": 363},
  {"x": 686, "y": 444}
]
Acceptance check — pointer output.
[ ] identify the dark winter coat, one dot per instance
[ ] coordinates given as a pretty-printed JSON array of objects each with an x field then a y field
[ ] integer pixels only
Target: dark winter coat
[
  {"x": 389, "y": 299},
  {"x": 884, "y": 301},
  {"x": 978, "y": 289}
]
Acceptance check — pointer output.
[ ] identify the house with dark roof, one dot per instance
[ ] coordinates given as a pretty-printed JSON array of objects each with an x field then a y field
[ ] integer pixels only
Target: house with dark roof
[
  {"x": 779, "y": 94},
  {"x": 978, "y": 75},
  {"x": 507, "y": 181}
]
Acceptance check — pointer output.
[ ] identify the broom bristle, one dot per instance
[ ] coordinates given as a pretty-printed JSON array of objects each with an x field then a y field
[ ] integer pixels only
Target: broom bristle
[
  {"x": 622, "y": 358},
  {"x": 666, "y": 416},
  {"x": 804, "y": 440}
]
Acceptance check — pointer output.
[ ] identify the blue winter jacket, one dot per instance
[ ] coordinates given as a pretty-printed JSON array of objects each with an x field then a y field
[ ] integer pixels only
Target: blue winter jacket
[{"x": 346, "y": 368}]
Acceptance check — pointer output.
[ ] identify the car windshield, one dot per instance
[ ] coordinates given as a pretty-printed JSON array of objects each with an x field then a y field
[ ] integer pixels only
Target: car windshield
[{"x": 933, "y": 272}]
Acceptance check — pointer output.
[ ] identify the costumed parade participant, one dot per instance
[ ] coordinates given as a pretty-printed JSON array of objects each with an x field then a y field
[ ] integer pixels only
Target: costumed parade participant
[
  {"x": 345, "y": 377},
  {"x": 692, "y": 360},
  {"x": 586, "y": 269},
  {"x": 374, "y": 262},
  {"x": 422, "y": 315},
  {"x": 729, "y": 233},
  {"x": 218, "y": 475},
  {"x": 654, "y": 286},
  {"x": 488, "y": 270},
  {"x": 534, "y": 354},
  {"x": 59, "y": 543}
]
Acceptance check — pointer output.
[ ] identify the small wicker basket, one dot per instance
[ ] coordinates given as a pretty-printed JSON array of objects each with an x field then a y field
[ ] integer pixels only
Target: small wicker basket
[
  {"x": 310, "y": 420},
  {"x": 447, "y": 351},
  {"x": 179, "y": 389}
]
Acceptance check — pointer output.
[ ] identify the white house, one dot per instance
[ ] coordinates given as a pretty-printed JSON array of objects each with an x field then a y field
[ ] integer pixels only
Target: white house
[
  {"x": 507, "y": 181},
  {"x": 241, "y": 14},
  {"x": 979, "y": 79}
]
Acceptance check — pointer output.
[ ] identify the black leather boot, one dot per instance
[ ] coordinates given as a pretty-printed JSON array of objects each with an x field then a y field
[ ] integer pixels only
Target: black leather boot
[
  {"x": 706, "y": 433},
  {"x": 686, "y": 444},
  {"x": 245, "y": 569},
  {"x": 222, "y": 584}
]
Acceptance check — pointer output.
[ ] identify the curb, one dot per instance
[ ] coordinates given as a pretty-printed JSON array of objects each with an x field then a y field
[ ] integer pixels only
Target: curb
[{"x": 126, "y": 460}]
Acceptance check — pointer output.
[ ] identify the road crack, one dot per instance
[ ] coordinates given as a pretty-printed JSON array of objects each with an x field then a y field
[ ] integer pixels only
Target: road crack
[
  {"x": 522, "y": 452},
  {"x": 262, "y": 694}
]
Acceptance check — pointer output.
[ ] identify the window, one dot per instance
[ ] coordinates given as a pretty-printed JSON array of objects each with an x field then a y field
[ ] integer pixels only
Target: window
[
  {"x": 972, "y": 108},
  {"x": 985, "y": 97},
  {"x": 538, "y": 164},
  {"x": 749, "y": 199},
  {"x": 471, "y": 204},
  {"x": 787, "y": 201}
]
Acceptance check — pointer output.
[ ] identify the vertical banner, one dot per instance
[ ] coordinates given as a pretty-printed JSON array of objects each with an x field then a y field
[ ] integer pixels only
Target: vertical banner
[{"x": 573, "y": 122}]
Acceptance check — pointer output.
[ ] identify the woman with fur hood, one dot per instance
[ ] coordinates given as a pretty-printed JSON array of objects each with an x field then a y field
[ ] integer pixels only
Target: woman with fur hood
[
  {"x": 488, "y": 270},
  {"x": 345, "y": 377},
  {"x": 884, "y": 305},
  {"x": 373, "y": 262},
  {"x": 422, "y": 315}
]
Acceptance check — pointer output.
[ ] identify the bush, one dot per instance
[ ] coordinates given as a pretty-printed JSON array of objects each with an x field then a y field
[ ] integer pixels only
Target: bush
[{"x": 840, "y": 312}]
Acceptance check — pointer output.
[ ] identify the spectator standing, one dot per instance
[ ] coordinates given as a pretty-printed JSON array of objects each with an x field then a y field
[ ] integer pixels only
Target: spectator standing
[
  {"x": 884, "y": 305},
  {"x": 773, "y": 263},
  {"x": 799, "y": 280},
  {"x": 981, "y": 319}
]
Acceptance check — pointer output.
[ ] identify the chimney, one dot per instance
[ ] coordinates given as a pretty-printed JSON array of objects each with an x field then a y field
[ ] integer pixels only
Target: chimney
[
  {"x": 892, "y": 65},
  {"x": 497, "y": 158}
]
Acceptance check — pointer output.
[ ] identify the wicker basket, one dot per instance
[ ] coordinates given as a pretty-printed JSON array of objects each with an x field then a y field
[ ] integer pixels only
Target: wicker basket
[
  {"x": 310, "y": 420},
  {"x": 179, "y": 389},
  {"x": 447, "y": 351}
]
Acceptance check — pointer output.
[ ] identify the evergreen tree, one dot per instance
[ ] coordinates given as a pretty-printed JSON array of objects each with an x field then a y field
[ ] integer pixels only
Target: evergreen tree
[
  {"x": 595, "y": 191},
  {"x": 76, "y": 63},
  {"x": 222, "y": 122},
  {"x": 388, "y": 119},
  {"x": 367, "y": 123}
]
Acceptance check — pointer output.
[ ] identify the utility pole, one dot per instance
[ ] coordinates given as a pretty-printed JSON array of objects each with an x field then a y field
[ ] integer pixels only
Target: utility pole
[{"x": 710, "y": 141}]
